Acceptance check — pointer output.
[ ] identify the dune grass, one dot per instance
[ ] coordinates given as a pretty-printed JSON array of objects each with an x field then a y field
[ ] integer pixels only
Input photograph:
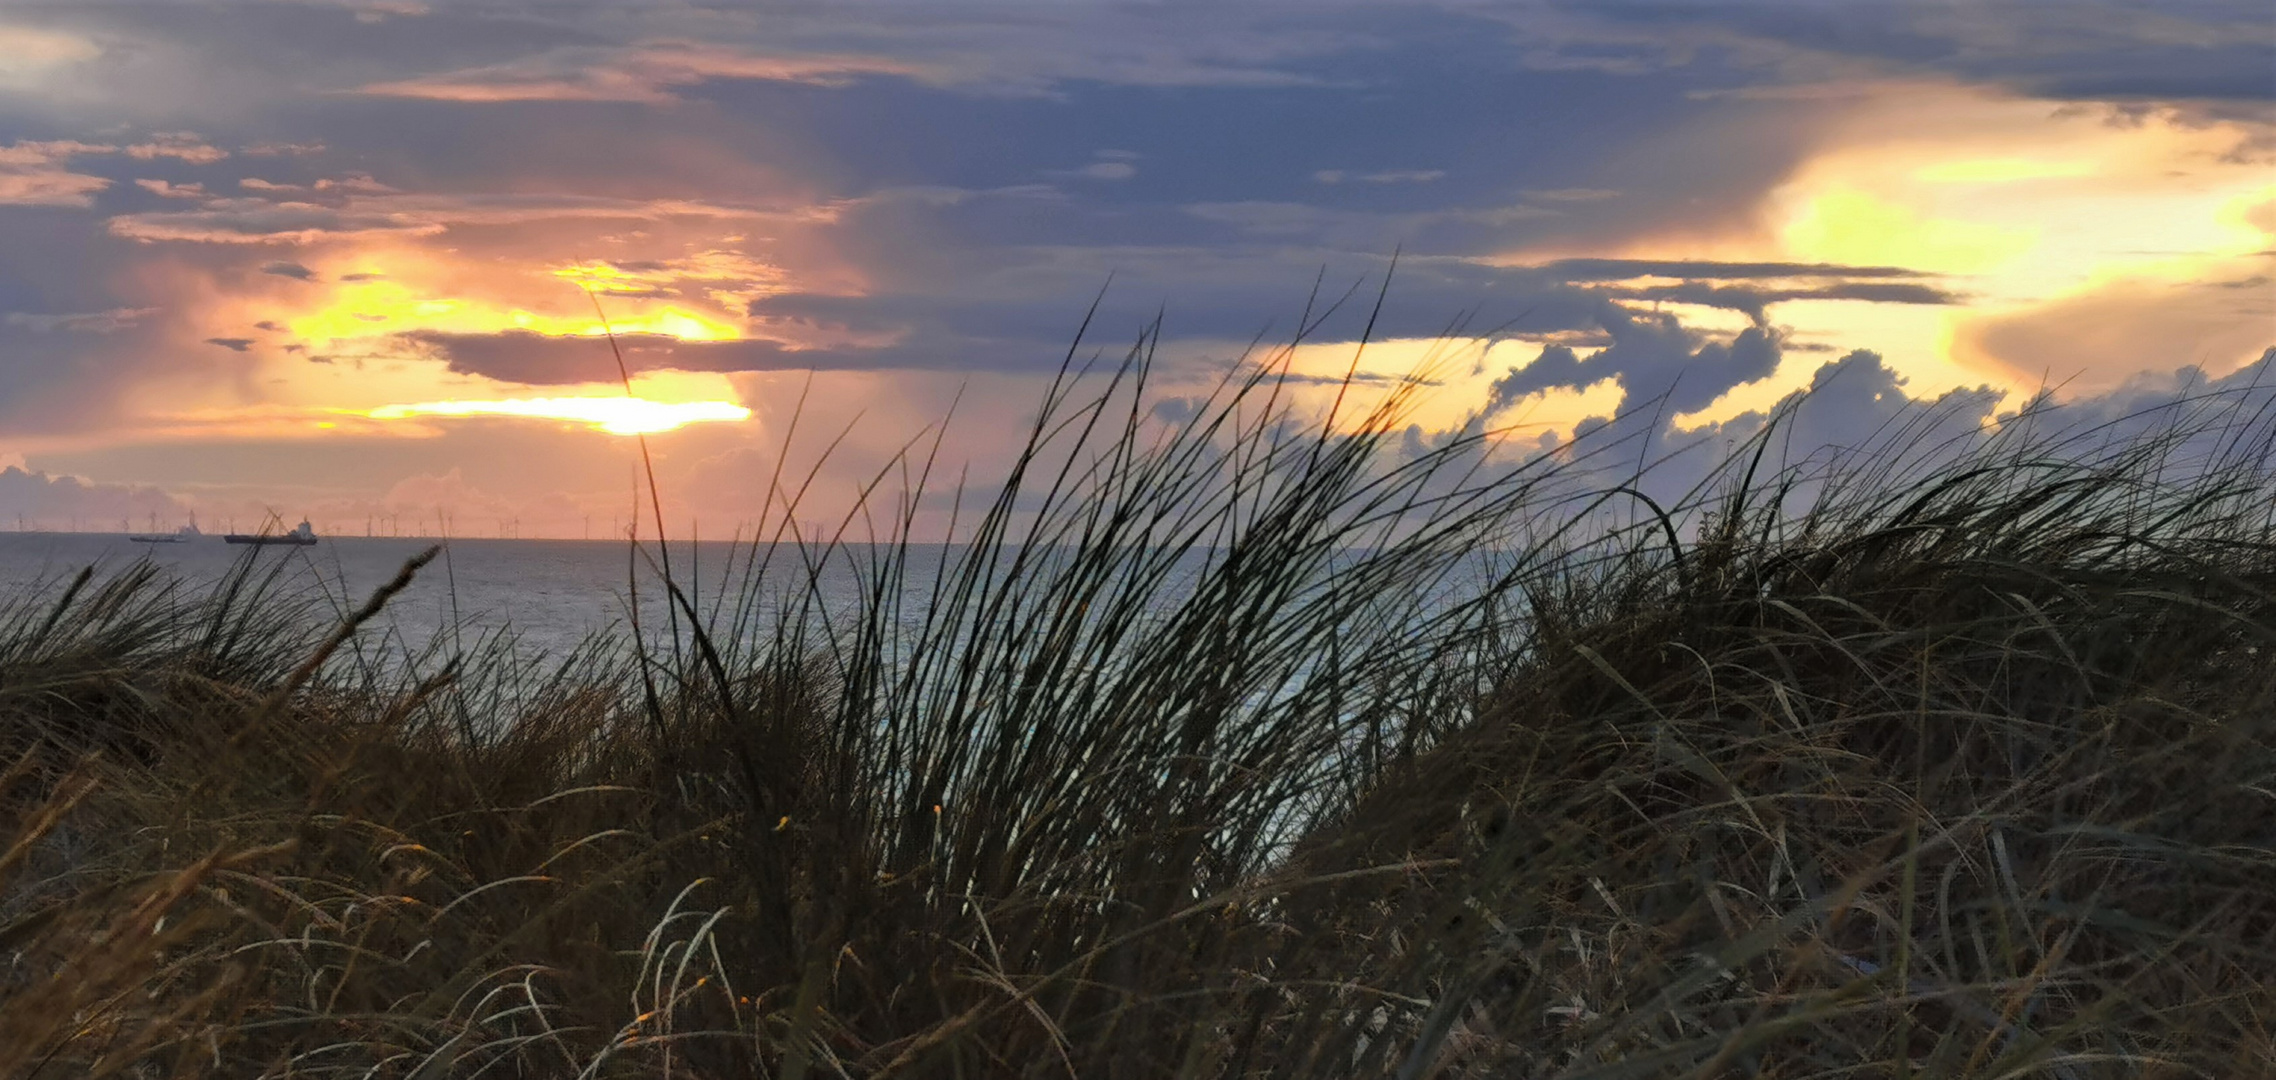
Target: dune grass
[{"x": 1253, "y": 749}]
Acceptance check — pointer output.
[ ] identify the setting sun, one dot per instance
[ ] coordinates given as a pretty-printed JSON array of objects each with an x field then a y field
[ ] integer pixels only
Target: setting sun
[
  {"x": 961, "y": 480},
  {"x": 332, "y": 284},
  {"x": 614, "y": 415}
]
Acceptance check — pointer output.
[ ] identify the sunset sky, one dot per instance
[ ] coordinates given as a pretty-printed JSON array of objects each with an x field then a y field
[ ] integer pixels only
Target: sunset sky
[{"x": 331, "y": 257}]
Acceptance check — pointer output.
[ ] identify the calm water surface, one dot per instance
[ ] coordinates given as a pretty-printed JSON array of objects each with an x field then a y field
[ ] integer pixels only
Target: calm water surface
[{"x": 552, "y": 592}]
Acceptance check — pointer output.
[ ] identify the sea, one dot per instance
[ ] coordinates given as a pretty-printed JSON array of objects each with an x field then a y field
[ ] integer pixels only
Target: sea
[
  {"x": 552, "y": 594},
  {"x": 546, "y": 597}
]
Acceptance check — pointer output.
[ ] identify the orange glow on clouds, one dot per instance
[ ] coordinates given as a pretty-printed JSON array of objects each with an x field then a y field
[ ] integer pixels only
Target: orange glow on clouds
[
  {"x": 372, "y": 308},
  {"x": 2032, "y": 215},
  {"x": 1845, "y": 225},
  {"x": 614, "y": 415},
  {"x": 2001, "y": 170},
  {"x": 372, "y": 378},
  {"x": 1446, "y": 381}
]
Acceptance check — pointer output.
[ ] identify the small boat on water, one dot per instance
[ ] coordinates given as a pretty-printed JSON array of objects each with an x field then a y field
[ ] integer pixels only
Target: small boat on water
[
  {"x": 183, "y": 535},
  {"x": 301, "y": 536}
]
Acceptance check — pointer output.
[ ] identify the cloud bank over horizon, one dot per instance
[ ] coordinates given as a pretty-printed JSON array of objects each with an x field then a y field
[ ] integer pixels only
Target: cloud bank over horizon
[{"x": 249, "y": 236}]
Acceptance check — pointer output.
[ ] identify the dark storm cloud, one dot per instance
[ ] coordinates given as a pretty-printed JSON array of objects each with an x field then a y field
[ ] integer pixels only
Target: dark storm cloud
[
  {"x": 233, "y": 344},
  {"x": 285, "y": 268},
  {"x": 1213, "y": 209},
  {"x": 1011, "y": 307},
  {"x": 2081, "y": 50},
  {"x": 1016, "y": 310},
  {"x": 1373, "y": 93},
  {"x": 520, "y": 356},
  {"x": 528, "y": 50},
  {"x": 1755, "y": 302},
  {"x": 260, "y": 220},
  {"x": 1019, "y": 312},
  {"x": 1014, "y": 48},
  {"x": 948, "y": 298},
  {"x": 1654, "y": 358},
  {"x": 947, "y": 161}
]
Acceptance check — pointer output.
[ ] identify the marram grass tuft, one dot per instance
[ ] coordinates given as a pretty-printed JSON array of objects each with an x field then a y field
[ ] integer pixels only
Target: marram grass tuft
[{"x": 1245, "y": 749}]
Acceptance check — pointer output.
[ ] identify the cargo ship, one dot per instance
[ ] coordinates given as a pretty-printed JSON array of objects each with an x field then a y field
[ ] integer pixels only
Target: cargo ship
[
  {"x": 183, "y": 535},
  {"x": 302, "y": 535}
]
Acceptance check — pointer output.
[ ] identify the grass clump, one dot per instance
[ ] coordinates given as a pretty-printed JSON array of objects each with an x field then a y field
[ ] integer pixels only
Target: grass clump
[{"x": 1245, "y": 749}]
